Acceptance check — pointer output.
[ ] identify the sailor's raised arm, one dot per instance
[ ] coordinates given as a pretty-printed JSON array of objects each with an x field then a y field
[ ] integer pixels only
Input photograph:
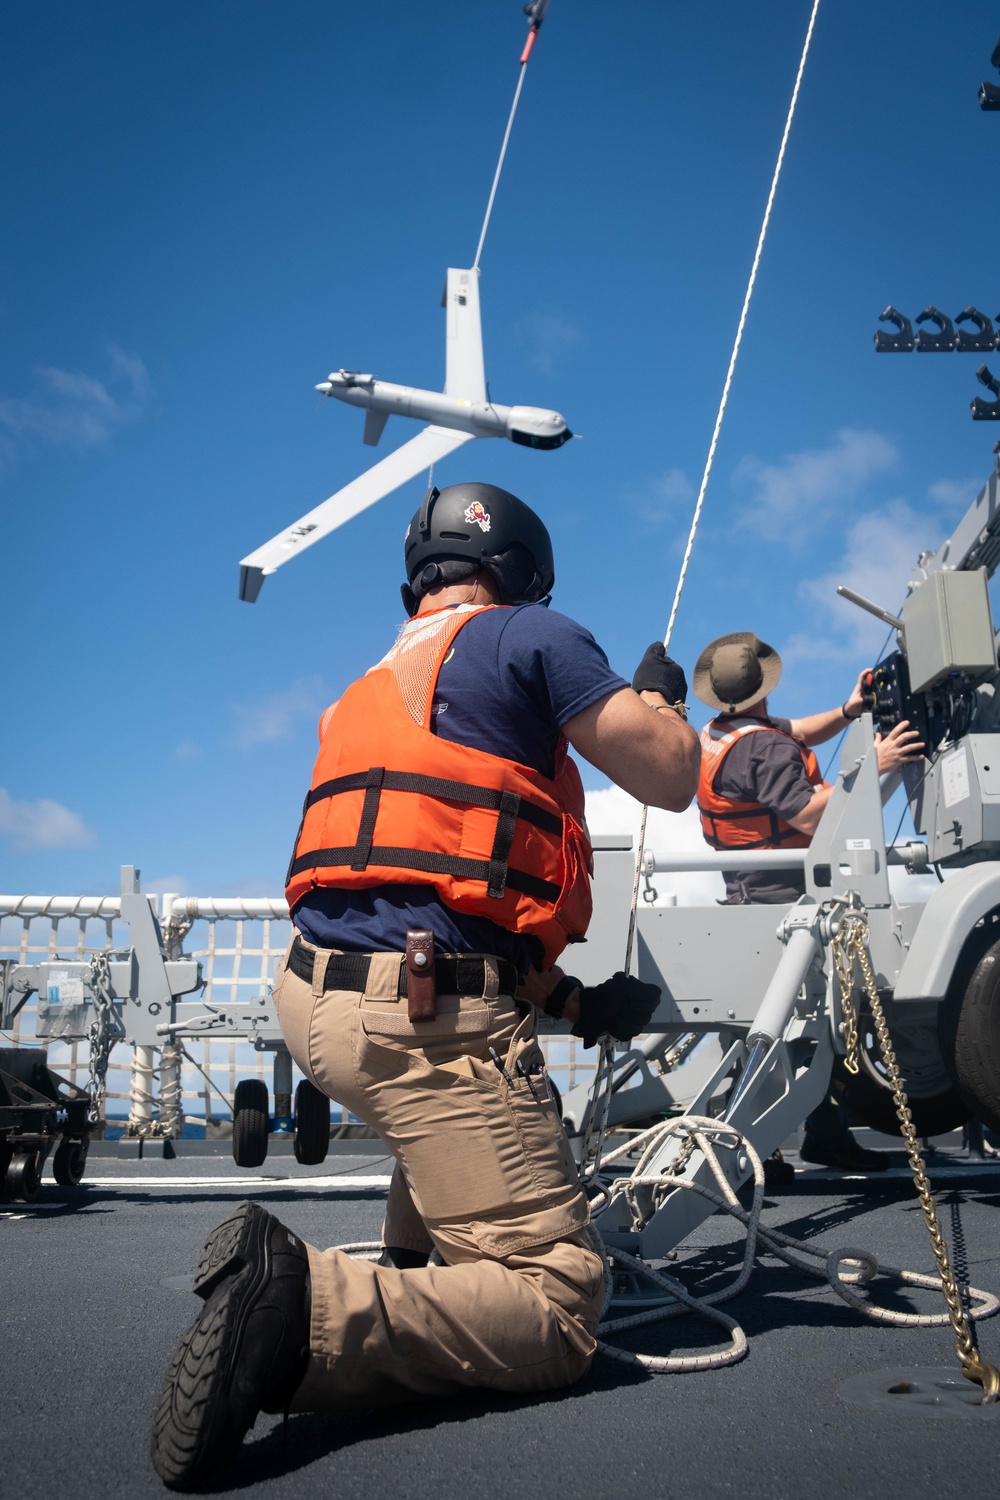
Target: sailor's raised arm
[{"x": 641, "y": 738}]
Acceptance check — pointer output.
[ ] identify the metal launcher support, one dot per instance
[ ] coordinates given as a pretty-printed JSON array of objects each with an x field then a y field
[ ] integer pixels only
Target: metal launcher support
[
  {"x": 145, "y": 995},
  {"x": 760, "y": 981}
]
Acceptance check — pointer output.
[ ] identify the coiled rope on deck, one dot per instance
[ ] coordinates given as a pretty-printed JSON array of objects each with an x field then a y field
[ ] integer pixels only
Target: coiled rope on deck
[{"x": 843, "y": 1269}]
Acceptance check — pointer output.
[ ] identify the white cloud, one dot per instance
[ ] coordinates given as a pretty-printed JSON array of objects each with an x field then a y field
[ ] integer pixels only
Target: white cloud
[
  {"x": 879, "y": 554},
  {"x": 666, "y": 498},
  {"x": 547, "y": 339},
  {"x": 76, "y": 410},
  {"x": 955, "y": 494},
  {"x": 278, "y": 716},
  {"x": 187, "y": 750},
  {"x": 791, "y": 496},
  {"x": 42, "y": 824},
  {"x": 614, "y": 811}
]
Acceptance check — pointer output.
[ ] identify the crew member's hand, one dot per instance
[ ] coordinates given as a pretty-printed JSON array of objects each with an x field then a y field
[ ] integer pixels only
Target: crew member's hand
[
  {"x": 854, "y": 706},
  {"x": 656, "y": 673},
  {"x": 902, "y": 746},
  {"x": 622, "y": 1005}
]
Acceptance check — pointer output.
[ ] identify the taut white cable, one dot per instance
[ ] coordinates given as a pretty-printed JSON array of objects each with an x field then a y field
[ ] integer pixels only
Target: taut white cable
[
  {"x": 536, "y": 12},
  {"x": 718, "y": 426},
  {"x": 496, "y": 175}
]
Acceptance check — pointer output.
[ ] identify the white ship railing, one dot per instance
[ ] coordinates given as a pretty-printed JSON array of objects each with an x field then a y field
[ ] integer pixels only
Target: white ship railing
[{"x": 239, "y": 941}]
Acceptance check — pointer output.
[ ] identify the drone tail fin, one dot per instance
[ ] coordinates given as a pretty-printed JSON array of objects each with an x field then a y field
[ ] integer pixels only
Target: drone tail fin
[
  {"x": 374, "y": 426},
  {"x": 465, "y": 375}
]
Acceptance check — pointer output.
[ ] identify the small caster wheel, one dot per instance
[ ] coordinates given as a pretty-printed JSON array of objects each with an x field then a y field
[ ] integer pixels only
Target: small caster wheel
[
  {"x": 312, "y": 1125},
  {"x": 251, "y": 1123},
  {"x": 24, "y": 1176},
  {"x": 69, "y": 1162}
]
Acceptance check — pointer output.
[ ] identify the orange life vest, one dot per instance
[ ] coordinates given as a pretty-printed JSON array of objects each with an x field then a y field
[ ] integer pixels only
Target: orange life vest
[
  {"x": 391, "y": 803},
  {"x": 745, "y": 825}
]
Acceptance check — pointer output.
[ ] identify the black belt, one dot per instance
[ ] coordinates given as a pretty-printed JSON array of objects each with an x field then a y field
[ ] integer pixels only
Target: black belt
[{"x": 456, "y": 974}]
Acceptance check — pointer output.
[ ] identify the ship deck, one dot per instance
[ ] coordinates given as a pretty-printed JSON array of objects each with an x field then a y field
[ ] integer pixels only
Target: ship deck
[{"x": 96, "y": 1292}]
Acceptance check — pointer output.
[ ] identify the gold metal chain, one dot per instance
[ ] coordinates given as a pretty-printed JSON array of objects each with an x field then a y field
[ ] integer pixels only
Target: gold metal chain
[{"x": 849, "y": 944}]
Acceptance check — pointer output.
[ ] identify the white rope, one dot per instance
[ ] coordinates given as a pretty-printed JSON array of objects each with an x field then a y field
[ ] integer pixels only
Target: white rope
[
  {"x": 811, "y": 1259},
  {"x": 593, "y": 1142},
  {"x": 362, "y": 1249},
  {"x": 503, "y": 152},
  {"x": 843, "y": 1269},
  {"x": 717, "y": 429},
  {"x": 742, "y": 324}
]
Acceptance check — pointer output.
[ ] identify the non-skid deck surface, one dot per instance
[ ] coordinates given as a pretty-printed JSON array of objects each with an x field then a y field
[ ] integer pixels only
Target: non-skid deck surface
[{"x": 94, "y": 1298}]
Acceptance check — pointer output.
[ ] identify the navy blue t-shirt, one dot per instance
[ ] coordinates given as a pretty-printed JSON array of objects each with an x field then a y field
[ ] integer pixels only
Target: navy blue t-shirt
[{"x": 510, "y": 682}]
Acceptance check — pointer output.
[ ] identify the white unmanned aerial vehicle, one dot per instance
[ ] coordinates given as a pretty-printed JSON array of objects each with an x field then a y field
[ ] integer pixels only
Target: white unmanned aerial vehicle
[{"x": 461, "y": 412}]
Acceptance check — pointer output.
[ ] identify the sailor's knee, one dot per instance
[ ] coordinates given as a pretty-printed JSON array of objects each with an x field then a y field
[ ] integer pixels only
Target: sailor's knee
[
  {"x": 592, "y": 1288},
  {"x": 573, "y": 1282}
]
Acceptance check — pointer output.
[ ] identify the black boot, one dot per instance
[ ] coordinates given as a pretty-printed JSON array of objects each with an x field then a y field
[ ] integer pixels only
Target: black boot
[
  {"x": 246, "y": 1353},
  {"x": 845, "y": 1154}
]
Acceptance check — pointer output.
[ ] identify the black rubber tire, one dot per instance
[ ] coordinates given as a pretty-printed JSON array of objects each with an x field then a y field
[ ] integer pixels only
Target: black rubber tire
[
  {"x": 251, "y": 1123},
  {"x": 311, "y": 1139},
  {"x": 874, "y": 1105},
  {"x": 70, "y": 1161},
  {"x": 969, "y": 1027},
  {"x": 24, "y": 1176}
]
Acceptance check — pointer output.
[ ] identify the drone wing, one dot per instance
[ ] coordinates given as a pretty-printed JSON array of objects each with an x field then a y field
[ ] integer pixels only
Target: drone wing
[
  {"x": 420, "y": 452},
  {"x": 465, "y": 376}
]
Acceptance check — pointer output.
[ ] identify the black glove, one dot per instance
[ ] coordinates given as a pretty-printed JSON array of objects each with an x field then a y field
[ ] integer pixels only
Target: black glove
[
  {"x": 656, "y": 673},
  {"x": 621, "y": 1005}
]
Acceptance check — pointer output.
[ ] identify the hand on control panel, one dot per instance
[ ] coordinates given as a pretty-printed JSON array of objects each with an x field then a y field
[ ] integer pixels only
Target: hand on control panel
[
  {"x": 858, "y": 703},
  {"x": 902, "y": 746}
]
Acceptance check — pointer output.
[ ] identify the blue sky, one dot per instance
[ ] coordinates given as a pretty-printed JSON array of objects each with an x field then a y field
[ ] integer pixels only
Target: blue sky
[{"x": 210, "y": 206}]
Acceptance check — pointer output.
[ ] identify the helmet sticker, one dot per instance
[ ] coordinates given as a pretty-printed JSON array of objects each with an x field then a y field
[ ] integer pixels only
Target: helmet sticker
[{"x": 476, "y": 514}]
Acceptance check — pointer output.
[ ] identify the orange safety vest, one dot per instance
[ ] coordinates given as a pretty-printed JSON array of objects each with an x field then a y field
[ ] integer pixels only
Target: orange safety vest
[
  {"x": 391, "y": 803},
  {"x": 745, "y": 825}
]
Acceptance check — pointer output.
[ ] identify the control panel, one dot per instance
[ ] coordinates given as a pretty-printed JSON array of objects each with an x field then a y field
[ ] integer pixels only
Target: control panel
[
  {"x": 887, "y": 697},
  {"x": 939, "y": 713}
]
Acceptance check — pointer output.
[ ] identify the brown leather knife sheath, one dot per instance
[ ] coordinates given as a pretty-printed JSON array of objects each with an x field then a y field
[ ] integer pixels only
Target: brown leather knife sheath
[{"x": 421, "y": 989}]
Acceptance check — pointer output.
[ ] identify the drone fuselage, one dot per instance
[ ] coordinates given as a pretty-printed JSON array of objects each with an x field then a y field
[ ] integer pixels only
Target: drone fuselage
[{"x": 531, "y": 426}]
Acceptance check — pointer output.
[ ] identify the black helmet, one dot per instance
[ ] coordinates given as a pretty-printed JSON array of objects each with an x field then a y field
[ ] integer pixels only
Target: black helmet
[{"x": 466, "y": 527}]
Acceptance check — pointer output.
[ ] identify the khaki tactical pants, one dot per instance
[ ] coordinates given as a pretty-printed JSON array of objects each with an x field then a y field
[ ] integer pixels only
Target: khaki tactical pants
[{"x": 483, "y": 1172}]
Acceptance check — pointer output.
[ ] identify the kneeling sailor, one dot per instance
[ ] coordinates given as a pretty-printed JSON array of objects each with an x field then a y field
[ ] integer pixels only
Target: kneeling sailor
[{"x": 442, "y": 860}]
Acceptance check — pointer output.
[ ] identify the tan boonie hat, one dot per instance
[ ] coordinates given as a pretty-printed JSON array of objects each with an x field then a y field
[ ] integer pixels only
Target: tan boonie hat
[{"x": 735, "y": 671}]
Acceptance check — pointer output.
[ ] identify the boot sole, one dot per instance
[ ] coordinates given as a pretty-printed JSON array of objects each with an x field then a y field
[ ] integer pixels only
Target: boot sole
[
  {"x": 194, "y": 1434},
  {"x": 198, "y": 1427},
  {"x": 227, "y": 1247}
]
